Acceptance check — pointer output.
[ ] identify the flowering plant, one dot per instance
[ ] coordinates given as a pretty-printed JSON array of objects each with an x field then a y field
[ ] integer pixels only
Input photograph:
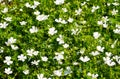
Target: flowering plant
[{"x": 59, "y": 39}]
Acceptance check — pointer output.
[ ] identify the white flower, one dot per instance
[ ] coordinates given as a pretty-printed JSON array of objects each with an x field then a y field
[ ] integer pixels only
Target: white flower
[
  {"x": 74, "y": 31},
  {"x": 75, "y": 63},
  {"x": 114, "y": 12},
  {"x": 60, "y": 39},
  {"x": 3, "y": 25},
  {"x": 23, "y": 23},
  {"x": 67, "y": 71},
  {"x": 59, "y": 56},
  {"x": 117, "y": 58},
  {"x": 14, "y": 47},
  {"x": 42, "y": 17},
  {"x": 26, "y": 72},
  {"x": 30, "y": 52},
  {"x": 117, "y": 30},
  {"x": 108, "y": 54},
  {"x": 84, "y": 59},
  {"x": 100, "y": 23},
  {"x": 36, "y": 12},
  {"x": 64, "y": 9},
  {"x": 64, "y": 22},
  {"x": 36, "y": 3},
  {"x": 82, "y": 4},
  {"x": 101, "y": 49},
  {"x": 21, "y": 10},
  {"x": 78, "y": 12},
  {"x": 96, "y": 35},
  {"x": 8, "y": 60},
  {"x": 59, "y": 2},
  {"x": 108, "y": 61},
  {"x": 27, "y": 5},
  {"x": 94, "y": 8},
  {"x": 41, "y": 76},
  {"x": 5, "y": 10},
  {"x": 66, "y": 45},
  {"x": 89, "y": 74},
  {"x": 115, "y": 4},
  {"x": 35, "y": 62},
  {"x": 105, "y": 19},
  {"x": 70, "y": 20},
  {"x": 94, "y": 76},
  {"x": 33, "y": 29},
  {"x": 58, "y": 72},
  {"x": 60, "y": 20},
  {"x": 8, "y": 18},
  {"x": 8, "y": 71},
  {"x": 10, "y": 41},
  {"x": 44, "y": 58},
  {"x": 95, "y": 53},
  {"x": 82, "y": 51},
  {"x": 105, "y": 25},
  {"x": 52, "y": 31},
  {"x": 22, "y": 57},
  {"x": 35, "y": 53}
]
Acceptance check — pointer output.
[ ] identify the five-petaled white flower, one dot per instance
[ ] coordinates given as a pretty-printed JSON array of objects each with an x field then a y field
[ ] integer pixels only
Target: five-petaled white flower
[
  {"x": 58, "y": 72},
  {"x": 8, "y": 71},
  {"x": 101, "y": 49},
  {"x": 23, "y": 23},
  {"x": 35, "y": 62},
  {"x": 22, "y": 57},
  {"x": 10, "y": 41},
  {"x": 52, "y": 31},
  {"x": 44, "y": 58},
  {"x": 33, "y": 29},
  {"x": 96, "y": 35},
  {"x": 84, "y": 59},
  {"x": 8, "y": 60},
  {"x": 26, "y": 72},
  {"x": 3, "y": 25}
]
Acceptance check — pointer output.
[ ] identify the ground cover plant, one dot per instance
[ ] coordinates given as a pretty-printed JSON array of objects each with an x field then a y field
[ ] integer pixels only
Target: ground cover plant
[{"x": 59, "y": 39}]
